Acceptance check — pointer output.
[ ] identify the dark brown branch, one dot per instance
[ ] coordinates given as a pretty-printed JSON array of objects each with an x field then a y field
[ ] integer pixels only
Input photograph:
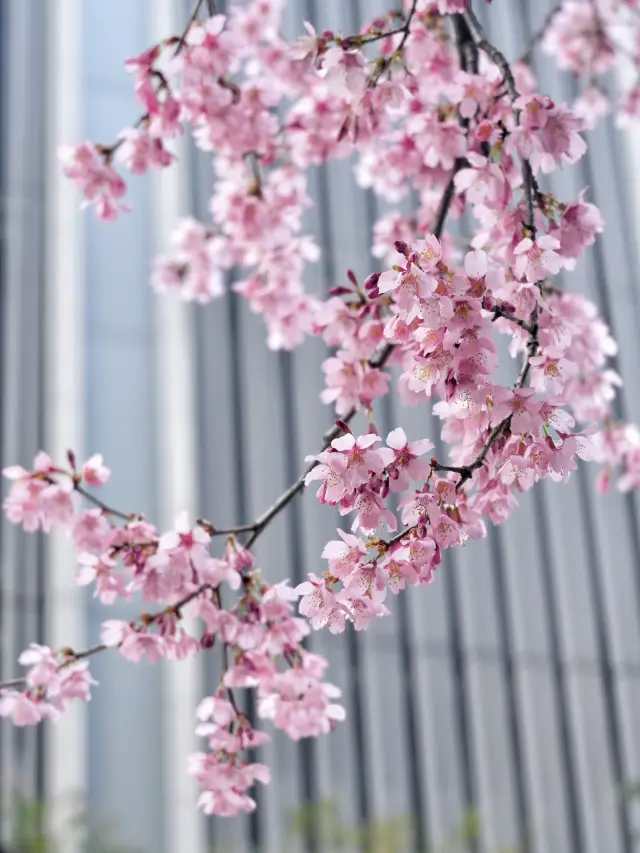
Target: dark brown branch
[
  {"x": 537, "y": 37},
  {"x": 498, "y": 58},
  {"x": 498, "y": 312},
  {"x": 101, "y": 505},
  {"x": 192, "y": 18},
  {"x": 72, "y": 657},
  {"x": 407, "y": 26}
]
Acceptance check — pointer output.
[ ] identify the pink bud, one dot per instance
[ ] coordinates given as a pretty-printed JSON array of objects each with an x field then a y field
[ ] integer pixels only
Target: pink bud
[
  {"x": 401, "y": 247},
  {"x": 339, "y": 290},
  {"x": 371, "y": 281},
  {"x": 352, "y": 277},
  {"x": 346, "y": 124},
  {"x": 484, "y": 131}
]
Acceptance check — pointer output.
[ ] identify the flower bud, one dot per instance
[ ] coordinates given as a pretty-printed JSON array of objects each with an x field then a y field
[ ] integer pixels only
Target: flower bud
[
  {"x": 401, "y": 247},
  {"x": 339, "y": 290},
  {"x": 488, "y": 302},
  {"x": 371, "y": 281}
]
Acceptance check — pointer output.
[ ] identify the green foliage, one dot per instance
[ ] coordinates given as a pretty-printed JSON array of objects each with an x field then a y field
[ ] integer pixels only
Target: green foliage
[
  {"x": 386, "y": 835},
  {"x": 27, "y": 821}
]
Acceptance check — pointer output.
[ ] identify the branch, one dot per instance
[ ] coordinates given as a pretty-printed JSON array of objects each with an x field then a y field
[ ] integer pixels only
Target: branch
[
  {"x": 196, "y": 9},
  {"x": 385, "y": 62},
  {"x": 498, "y": 312},
  {"x": 72, "y": 657},
  {"x": 498, "y": 58},
  {"x": 370, "y": 39},
  {"x": 539, "y": 34},
  {"x": 108, "y": 510}
]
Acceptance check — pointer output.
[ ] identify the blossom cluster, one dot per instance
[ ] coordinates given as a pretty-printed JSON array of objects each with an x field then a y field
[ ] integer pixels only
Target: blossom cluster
[
  {"x": 259, "y": 635},
  {"x": 434, "y": 114}
]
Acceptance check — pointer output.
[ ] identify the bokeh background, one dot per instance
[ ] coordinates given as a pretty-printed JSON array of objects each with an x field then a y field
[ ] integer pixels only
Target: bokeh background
[{"x": 499, "y": 708}]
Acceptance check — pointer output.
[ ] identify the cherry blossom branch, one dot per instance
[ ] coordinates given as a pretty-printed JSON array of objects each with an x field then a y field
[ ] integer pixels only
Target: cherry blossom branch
[
  {"x": 106, "y": 509},
  {"x": 498, "y": 312},
  {"x": 359, "y": 41},
  {"x": 192, "y": 18},
  {"x": 71, "y": 656},
  {"x": 539, "y": 34},
  {"x": 287, "y": 496},
  {"x": 498, "y": 58},
  {"x": 407, "y": 25}
]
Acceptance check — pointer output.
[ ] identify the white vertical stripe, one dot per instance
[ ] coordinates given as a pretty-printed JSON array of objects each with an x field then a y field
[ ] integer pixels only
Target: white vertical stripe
[
  {"x": 625, "y": 77},
  {"x": 182, "y": 688},
  {"x": 64, "y": 402}
]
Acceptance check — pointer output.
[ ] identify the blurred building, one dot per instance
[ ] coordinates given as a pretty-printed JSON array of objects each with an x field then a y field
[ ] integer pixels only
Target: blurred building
[{"x": 511, "y": 686}]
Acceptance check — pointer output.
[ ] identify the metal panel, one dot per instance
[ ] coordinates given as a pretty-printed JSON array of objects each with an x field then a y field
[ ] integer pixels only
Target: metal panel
[{"x": 509, "y": 685}]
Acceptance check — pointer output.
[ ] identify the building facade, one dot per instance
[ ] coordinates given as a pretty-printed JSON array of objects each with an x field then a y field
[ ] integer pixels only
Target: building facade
[{"x": 510, "y": 686}]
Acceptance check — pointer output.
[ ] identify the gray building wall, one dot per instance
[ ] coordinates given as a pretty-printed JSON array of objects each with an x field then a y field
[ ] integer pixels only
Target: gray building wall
[{"x": 510, "y": 685}]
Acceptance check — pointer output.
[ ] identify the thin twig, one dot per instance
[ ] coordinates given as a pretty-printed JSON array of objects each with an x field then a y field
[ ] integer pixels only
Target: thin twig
[
  {"x": 192, "y": 18},
  {"x": 498, "y": 312},
  {"x": 108, "y": 510},
  {"x": 498, "y": 58},
  {"x": 537, "y": 37},
  {"x": 72, "y": 657},
  {"x": 407, "y": 25}
]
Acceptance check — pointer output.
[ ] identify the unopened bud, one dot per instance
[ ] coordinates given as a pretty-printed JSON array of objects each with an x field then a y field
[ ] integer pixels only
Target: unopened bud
[
  {"x": 342, "y": 425},
  {"x": 352, "y": 277},
  {"x": 371, "y": 281},
  {"x": 488, "y": 302},
  {"x": 401, "y": 247},
  {"x": 339, "y": 290},
  {"x": 207, "y": 641},
  {"x": 344, "y": 130},
  {"x": 71, "y": 456}
]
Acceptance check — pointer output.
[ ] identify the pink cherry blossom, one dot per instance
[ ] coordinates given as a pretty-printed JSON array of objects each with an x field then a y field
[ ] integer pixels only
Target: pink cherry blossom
[
  {"x": 95, "y": 472},
  {"x": 536, "y": 259}
]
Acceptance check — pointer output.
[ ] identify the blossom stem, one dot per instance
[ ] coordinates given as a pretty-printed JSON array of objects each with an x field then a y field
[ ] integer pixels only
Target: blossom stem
[
  {"x": 498, "y": 312},
  {"x": 498, "y": 58},
  {"x": 73, "y": 657},
  {"x": 539, "y": 34},
  {"x": 107, "y": 510},
  {"x": 196, "y": 10}
]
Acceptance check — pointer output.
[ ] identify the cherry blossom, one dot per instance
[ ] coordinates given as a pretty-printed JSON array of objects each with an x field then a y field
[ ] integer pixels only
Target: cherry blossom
[{"x": 447, "y": 127}]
